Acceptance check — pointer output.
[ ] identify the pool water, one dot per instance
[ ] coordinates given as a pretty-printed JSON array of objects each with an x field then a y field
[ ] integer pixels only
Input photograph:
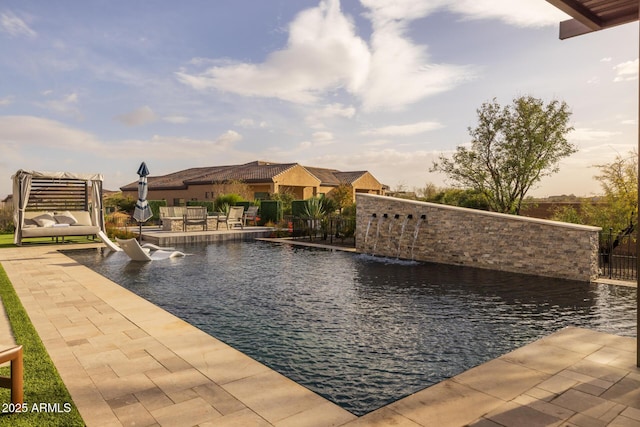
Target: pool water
[{"x": 359, "y": 330}]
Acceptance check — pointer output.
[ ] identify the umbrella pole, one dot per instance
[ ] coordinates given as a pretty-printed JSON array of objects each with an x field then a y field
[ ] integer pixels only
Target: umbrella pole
[{"x": 140, "y": 233}]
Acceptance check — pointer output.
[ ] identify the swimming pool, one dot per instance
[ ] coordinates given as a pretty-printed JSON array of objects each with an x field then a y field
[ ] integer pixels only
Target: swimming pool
[{"x": 360, "y": 331}]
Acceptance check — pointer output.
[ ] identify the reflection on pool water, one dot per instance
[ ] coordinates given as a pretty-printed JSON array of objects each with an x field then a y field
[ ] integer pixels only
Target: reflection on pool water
[{"x": 360, "y": 331}]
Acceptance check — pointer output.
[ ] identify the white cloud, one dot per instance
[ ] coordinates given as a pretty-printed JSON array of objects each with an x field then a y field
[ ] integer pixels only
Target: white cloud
[
  {"x": 29, "y": 131},
  {"x": 7, "y": 100},
  {"x": 250, "y": 123},
  {"x": 323, "y": 138},
  {"x": 521, "y": 13},
  {"x": 590, "y": 135},
  {"x": 400, "y": 72},
  {"x": 626, "y": 71},
  {"x": 66, "y": 105},
  {"x": 14, "y": 26},
  {"x": 176, "y": 119},
  {"x": 317, "y": 118},
  {"x": 403, "y": 130},
  {"x": 322, "y": 54},
  {"x": 138, "y": 117}
]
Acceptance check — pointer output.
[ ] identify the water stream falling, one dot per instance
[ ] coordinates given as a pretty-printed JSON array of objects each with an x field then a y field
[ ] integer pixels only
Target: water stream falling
[
  {"x": 366, "y": 235},
  {"x": 415, "y": 233},
  {"x": 396, "y": 216},
  {"x": 404, "y": 225},
  {"x": 375, "y": 244}
]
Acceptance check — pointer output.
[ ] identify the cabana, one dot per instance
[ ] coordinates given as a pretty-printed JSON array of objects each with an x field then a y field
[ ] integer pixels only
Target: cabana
[{"x": 56, "y": 204}]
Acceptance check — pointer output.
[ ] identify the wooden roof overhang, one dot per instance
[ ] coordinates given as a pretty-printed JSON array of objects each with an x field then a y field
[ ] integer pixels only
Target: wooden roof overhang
[{"x": 594, "y": 15}]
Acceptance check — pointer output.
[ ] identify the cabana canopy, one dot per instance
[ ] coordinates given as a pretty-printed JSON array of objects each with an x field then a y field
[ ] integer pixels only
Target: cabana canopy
[{"x": 56, "y": 191}]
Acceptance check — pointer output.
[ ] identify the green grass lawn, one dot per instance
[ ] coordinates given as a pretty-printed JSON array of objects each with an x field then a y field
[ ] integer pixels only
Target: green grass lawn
[{"x": 43, "y": 386}]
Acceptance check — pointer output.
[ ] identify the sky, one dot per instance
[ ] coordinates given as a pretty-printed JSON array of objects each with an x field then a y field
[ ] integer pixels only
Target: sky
[{"x": 99, "y": 86}]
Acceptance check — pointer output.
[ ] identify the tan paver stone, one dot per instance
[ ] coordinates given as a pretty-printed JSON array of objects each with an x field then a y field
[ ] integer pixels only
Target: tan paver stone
[
  {"x": 188, "y": 413},
  {"x": 382, "y": 418},
  {"x": 273, "y": 396},
  {"x": 125, "y": 400},
  {"x": 590, "y": 389},
  {"x": 219, "y": 398},
  {"x": 626, "y": 360},
  {"x": 181, "y": 380},
  {"x": 557, "y": 384},
  {"x": 632, "y": 413},
  {"x": 582, "y": 420},
  {"x": 541, "y": 394},
  {"x": 544, "y": 407},
  {"x": 101, "y": 358},
  {"x": 133, "y": 365},
  {"x": 513, "y": 415},
  {"x": 173, "y": 363},
  {"x": 135, "y": 415},
  {"x": 483, "y": 422},
  {"x": 626, "y": 392},
  {"x": 322, "y": 415},
  {"x": 501, "y": 379},
  {"x": 178, "y": 396},
  {"x": 543, "y": 357},
  {"x": 592, "y": 406},
  {"x": 585, "y": 379},
  {"x": 446, "y": 404},
  {"x": 153, "y": 398},
  {"x": 119, "y": 386},
  {"x": 242, "y": 418},
  {"x": 226, "y": 365},
  {"x": 623, "y": 421},
  {"x": 598, "y": 371},
  {"x": 612, "y": 413},
  {"x": 577, "y": 340},
  {"x": 603, "y": 356}
]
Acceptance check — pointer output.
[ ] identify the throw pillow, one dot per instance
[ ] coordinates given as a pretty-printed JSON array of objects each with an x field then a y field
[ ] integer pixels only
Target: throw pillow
[{"x": 65, "y": 218}]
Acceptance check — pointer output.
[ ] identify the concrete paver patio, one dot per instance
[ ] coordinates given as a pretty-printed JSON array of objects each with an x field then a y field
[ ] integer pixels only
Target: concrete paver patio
[{"x": 125, "y": 361}]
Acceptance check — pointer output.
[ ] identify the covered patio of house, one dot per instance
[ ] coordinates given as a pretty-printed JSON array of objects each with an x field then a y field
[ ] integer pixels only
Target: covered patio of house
[{"x": 595, "y": 15}]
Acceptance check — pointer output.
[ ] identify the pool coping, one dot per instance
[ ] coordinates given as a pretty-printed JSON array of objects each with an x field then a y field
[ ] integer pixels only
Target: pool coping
[{"x": 125, "y": 360}]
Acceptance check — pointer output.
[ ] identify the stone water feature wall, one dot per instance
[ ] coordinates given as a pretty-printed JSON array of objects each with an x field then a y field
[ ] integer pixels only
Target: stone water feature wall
[{"x": 420, "y": 231}]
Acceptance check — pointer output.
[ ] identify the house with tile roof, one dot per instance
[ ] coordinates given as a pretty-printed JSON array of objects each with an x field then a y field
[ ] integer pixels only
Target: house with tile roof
[{"x": 262, "y": 178}]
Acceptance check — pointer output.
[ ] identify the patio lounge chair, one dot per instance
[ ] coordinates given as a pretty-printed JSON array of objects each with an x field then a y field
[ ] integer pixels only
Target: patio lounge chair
[
  {"x": 15, "y": 381},
  {"x": 251, "y": 215},
  {"x": 233, "y": 218},
  {"x": 138, "y": 253},
  {"x": 150, "y": 246}
]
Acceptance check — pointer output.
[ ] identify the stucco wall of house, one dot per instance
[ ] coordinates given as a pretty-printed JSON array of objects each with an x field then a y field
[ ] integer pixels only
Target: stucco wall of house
[
  {"x": 453, "y": 235},
  {"x": 367, "y": 183}
]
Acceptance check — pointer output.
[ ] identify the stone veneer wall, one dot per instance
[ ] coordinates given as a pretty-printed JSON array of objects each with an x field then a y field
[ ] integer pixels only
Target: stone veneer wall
[{"x": 453, "y": 235}]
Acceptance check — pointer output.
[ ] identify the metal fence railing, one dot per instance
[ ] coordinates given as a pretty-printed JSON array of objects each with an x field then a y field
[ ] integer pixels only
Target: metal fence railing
[
  {"x": 618, "y": 256},
  {"x": 332, "y": 230}
]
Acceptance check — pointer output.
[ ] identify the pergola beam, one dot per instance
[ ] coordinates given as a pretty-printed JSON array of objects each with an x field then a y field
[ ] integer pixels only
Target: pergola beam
[{"x": 579, "y": 12}]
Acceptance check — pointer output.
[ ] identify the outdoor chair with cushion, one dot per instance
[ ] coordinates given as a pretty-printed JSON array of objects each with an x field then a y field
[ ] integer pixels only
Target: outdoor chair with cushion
[{"x": 195, "y": 215}]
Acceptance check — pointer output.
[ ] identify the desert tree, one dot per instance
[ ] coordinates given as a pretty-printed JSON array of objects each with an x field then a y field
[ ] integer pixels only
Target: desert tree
[{"x": 512, "y": 148}]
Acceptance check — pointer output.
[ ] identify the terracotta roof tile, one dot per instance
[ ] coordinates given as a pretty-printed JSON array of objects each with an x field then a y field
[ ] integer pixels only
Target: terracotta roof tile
[{"x": 257, "y": 171}]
